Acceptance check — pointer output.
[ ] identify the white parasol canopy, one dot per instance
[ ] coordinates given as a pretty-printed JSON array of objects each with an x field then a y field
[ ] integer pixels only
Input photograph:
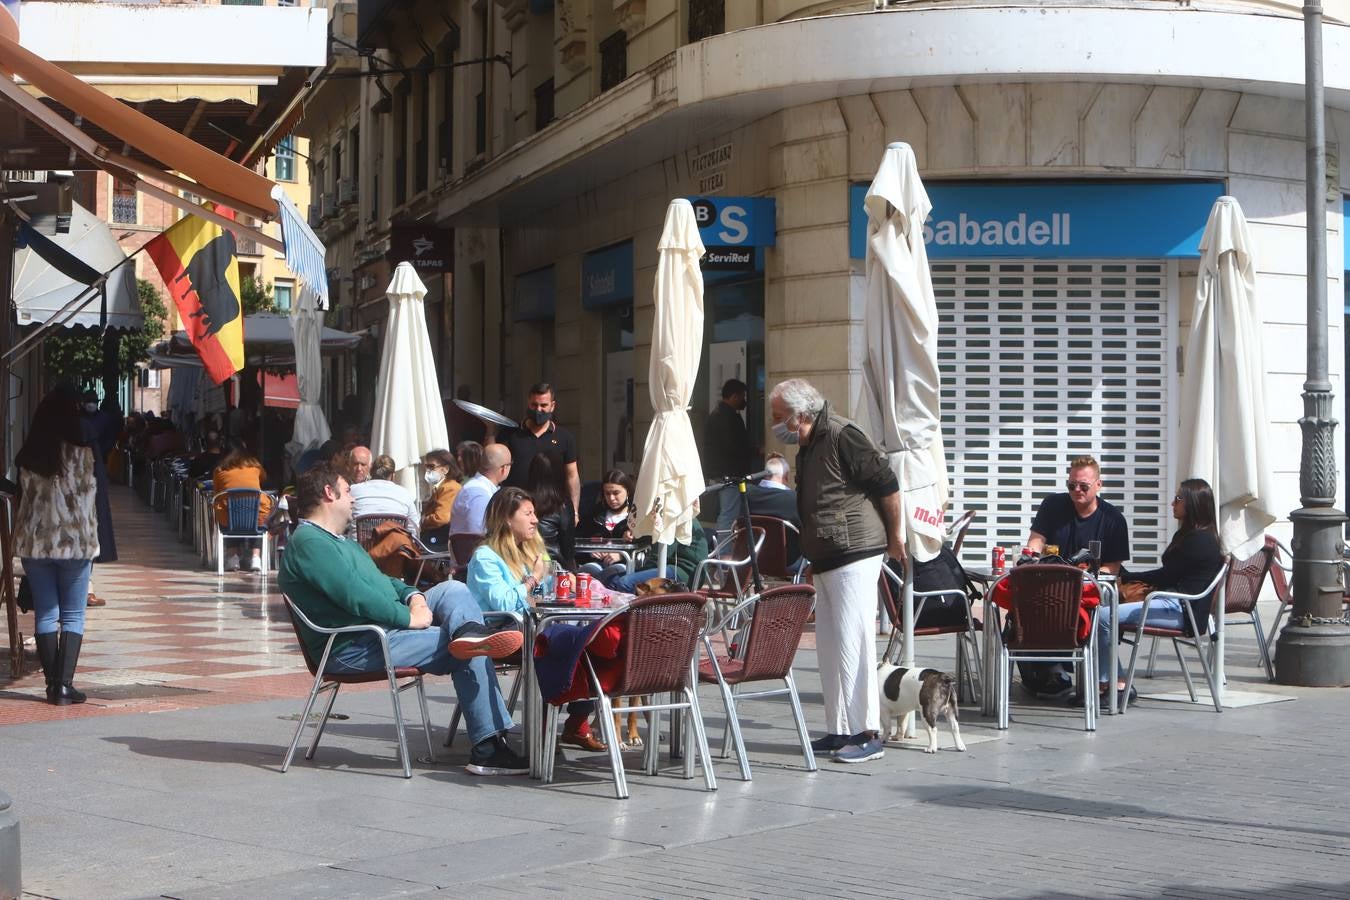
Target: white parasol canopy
[
  {"x": 671, "y": 477},
  {"x": 900, "y": 402},
  {"x": 1223, "y": 403},
  {"x": 311, "y": 428},
  {"x": 409, "y": 418}
]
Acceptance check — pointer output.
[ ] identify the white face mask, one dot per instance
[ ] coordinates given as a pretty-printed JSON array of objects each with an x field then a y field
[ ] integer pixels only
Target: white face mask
[
  {"x": 434, "y": 477},
  {"x": 781, "y": 431}
]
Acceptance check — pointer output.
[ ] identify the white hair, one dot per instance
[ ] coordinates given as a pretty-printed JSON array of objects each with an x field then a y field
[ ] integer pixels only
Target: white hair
[
  {"x": 799, "y": 396},
  {"x": 777, "y": 466}
]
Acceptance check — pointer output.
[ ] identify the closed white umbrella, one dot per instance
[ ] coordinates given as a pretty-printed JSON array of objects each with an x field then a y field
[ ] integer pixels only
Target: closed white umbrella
[
  {"x": 1223, "y": 404},
  {"x": 311, "y": 428},
  {"x": 409, "y": 418},
  {"x": 671, "y": 477},
  {"x": 900, "y": 401}
]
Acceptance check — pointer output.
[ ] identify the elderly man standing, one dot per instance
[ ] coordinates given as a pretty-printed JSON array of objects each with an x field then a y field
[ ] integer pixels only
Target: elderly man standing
[
  {"x": 849, "y": 502},
  {"x": 466, "y": 516}
]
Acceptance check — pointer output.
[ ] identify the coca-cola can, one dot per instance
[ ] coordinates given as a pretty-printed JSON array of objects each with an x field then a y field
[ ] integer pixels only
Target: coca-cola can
[
  {"x": 583, "y": 587},
  {"x": 999, "y": 558},
  {"x": 564, "y": 586}
]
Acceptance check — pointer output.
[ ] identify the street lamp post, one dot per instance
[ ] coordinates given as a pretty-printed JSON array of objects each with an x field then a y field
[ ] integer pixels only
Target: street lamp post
[{"x": 1314, "y": 648}]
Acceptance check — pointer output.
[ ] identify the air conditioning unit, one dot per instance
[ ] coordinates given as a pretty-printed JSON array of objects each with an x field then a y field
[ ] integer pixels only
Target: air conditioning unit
[
  {"x": 329, "y": 204},
  {"x": 346, "y": 191}
]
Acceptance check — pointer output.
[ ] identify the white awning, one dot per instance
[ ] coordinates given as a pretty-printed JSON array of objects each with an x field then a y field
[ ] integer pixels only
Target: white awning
[{"x": 41, "y": 290}]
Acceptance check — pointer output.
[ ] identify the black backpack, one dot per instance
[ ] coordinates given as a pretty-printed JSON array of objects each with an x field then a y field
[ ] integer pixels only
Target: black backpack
[{"x": 941, "y": 573}]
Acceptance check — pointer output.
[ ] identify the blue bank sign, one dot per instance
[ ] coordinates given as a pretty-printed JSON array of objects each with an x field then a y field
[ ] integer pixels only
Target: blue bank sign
[
  {"x": 607, "y": 276},
  {"x": 1103, "y": 220},
  {"x": 732, "y": 229}
]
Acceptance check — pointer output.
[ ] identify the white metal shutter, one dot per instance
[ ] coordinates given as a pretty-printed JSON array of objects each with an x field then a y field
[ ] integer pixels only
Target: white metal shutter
[{"x": 1043, "y": 360}]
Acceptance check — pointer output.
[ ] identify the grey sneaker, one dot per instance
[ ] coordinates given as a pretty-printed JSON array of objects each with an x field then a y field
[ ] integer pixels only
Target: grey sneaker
[
  {"x": 830, "y": 743},
  {"x": 861, "y": 752}
]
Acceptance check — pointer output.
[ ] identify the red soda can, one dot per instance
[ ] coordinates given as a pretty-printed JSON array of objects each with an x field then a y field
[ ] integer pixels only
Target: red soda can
[
  {"x": 564, "y": 586},
  {"x": 584, "y": 588},
  {"x": 999, "y": 559}
]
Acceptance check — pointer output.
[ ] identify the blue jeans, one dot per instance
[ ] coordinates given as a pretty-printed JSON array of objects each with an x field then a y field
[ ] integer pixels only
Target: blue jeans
[
  {"x": 627, "y": 584},
  {"x": 60, "y": 593},
  {"x": 1163, "y": 612},
  {"x": 451, "y": 604}
]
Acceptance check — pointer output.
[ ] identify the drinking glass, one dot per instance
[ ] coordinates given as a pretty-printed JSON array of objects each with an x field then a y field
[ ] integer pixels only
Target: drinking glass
[{"x": 1095, "y": 549}]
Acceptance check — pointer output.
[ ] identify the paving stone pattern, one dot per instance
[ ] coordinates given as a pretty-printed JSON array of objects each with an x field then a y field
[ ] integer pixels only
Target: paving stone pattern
[{"x": 167, "y": 784}]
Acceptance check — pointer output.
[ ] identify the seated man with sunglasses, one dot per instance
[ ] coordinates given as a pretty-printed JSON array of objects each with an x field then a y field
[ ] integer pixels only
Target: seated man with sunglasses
[{"x": 1074, "y": 520}]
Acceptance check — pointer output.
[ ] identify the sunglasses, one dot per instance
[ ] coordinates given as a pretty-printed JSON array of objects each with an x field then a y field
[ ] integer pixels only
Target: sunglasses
[{"x": 1078, "y": 485}]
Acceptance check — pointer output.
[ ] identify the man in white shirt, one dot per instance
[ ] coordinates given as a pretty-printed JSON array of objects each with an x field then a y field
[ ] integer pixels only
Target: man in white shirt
[
  {"x": 466, "y": 516},
  {"x": 379, "y": 496}
]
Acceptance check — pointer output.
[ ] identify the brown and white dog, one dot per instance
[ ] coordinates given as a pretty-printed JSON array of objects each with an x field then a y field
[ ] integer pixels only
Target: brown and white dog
[
  {"x": 928, "y": 692},
  {"x": 629, "y": 737}
]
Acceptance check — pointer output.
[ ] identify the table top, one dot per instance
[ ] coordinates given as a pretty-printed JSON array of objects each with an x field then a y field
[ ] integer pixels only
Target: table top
[
  {"x": 988, "y": 574},
  {"x": 589, "y": 545}
]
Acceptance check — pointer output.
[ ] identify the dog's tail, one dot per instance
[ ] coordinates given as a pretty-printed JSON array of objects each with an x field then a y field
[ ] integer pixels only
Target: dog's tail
[{"x": 952, "y": 690}]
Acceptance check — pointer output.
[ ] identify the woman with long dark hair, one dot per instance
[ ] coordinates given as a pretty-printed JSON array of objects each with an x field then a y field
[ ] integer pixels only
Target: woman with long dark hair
[
  {"x": 610, "y": 520},
  {"x": 56, "y": 535},
  {"x": 1190, "y": 562},
  {"x": 547, "y": 484}
]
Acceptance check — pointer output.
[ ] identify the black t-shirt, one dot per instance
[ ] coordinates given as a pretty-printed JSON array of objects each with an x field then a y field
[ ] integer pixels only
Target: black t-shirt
[
  {"x": 1058, "y": 523},
  {"x": 525, "y": 447}
]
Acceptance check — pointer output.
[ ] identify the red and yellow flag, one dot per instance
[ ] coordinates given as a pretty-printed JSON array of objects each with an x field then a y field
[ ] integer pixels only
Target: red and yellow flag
[{"x": 197, "y": 260}]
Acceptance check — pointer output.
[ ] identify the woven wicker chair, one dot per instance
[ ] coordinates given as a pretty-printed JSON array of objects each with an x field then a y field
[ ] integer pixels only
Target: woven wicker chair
[
  {"x": 956, "y": 534},
  {"x": 1190, "y": 636},
  {"x": 1043, "y": 627},
  {"x": 766, "y": 652},
  {"x": 326, "y": 681},
  {"x": 969, "y": 667},
  {"x": 366, "y": 525},
  {"x": 657, "y": 655},
  {"x": 773, "y": 554}
]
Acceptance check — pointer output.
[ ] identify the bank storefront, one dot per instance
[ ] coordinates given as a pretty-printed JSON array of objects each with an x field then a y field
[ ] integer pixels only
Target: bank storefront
[{"x": 1059, "y": 306}]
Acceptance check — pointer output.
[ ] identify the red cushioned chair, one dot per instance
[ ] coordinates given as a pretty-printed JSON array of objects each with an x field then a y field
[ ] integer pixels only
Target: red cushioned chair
[{"x": 326, "y": 681}]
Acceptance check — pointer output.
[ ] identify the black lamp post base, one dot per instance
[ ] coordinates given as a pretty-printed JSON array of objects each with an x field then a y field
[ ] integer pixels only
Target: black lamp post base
[{"x": 1313, "y": 649}]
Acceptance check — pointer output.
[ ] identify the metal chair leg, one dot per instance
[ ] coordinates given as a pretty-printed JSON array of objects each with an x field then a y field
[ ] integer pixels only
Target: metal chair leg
[
  {"x": 1211, "y": 676},
  {"x": 426, "y": 717},
  {"x": 612, "y": 745},
  {"x": 1263, "y": 646},
  {"x": 323, "y": 721},
  {"x": 729, "y": 701},
  {"x": 800, "y": 719},
  {"x": 304, "y": 720},
  {"x": 1152, "y": 658},
  {"x": 1185, "y": 670},
  {"x": 550, "y": 750},
  {"x": 701, "y": 736},
  {"x": 398, "y": 725}
]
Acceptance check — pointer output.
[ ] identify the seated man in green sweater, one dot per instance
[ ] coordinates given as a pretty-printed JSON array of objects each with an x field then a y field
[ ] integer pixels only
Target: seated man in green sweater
[{"x": 440, "y": 632}]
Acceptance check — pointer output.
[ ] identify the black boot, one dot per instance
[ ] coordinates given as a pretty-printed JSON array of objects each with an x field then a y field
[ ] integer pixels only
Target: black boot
[
  {"x": 48, "y": 655},
  {"x": 69, "y": 655}
]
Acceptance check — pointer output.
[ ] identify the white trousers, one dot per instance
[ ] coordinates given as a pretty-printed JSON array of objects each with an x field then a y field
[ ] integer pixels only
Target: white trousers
[{"x": 846, "y": 610}]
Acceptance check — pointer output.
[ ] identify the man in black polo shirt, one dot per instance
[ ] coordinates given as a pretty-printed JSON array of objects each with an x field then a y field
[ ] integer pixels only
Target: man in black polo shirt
[
  {"x": 1072, "y": 519},
  {"x": 539, "y": 433}
]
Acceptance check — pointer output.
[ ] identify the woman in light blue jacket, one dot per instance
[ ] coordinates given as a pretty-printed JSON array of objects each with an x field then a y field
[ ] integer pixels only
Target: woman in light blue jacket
[{"x": 505, "y": 570}]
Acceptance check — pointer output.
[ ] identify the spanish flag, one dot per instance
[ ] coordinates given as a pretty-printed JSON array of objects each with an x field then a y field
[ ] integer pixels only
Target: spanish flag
[{"x": 197, "y": 261}]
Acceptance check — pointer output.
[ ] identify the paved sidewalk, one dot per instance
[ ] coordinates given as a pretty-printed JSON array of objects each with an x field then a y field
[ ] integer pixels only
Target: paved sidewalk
[{"x": 1170, "y": 800}]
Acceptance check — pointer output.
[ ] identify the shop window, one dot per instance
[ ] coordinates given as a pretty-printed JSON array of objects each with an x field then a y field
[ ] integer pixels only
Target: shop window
[
  {"x": 285, "y": 159},
  {"x": 123, "y": 202},
  {"x": 706, "y": 18},
  {"x": 613, "y": 60},
  {"x": 734, "y": 335},
  {"x": 543, "y": 104}
]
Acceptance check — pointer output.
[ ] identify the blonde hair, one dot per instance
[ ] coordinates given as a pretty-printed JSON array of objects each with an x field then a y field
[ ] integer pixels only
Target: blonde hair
[
  {"x": 519, "y": 558},
  {"x": 1086, "y": 462}
]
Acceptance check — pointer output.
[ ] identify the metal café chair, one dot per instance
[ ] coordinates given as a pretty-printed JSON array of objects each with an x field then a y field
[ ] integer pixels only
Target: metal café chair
[
  {"x": 729, "y": 561},
  {"x": 1241, "y": 591},
  {"x": 657, "y": 655},
  {"x": 1189, "y": 635},
  {"x": 969, "y": 668},
  {"x": 1043, "y": 624},
  {"x": 366, "y": 525},
  {"x": 774, "y": 562},
  {"x": 332, "y": 682},
  {"x": 242, "y": 505},
  {"x": 767, "y": 647},
  {"x": 956, "y": 533}
]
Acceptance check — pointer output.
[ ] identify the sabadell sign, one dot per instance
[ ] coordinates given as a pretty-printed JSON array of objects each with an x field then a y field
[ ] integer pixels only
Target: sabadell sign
[{"x": 1099, "y": 220}]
